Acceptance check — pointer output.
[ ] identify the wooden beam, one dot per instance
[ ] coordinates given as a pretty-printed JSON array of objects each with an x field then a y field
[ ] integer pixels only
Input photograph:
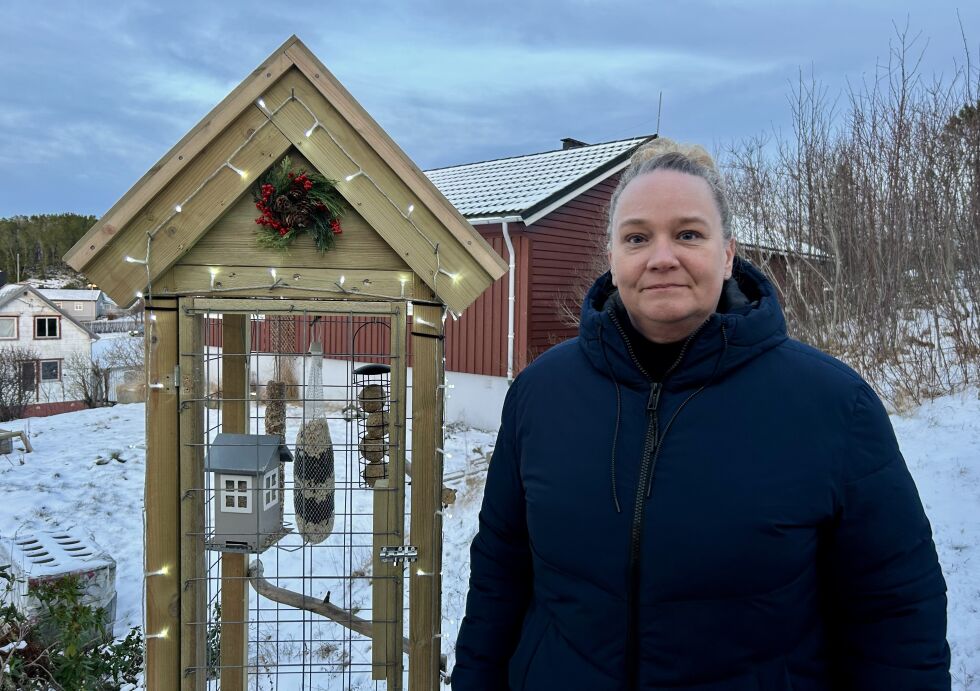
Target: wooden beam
[
  {"x": 179, "y": 157},
  {"x": 427, "y": 193},
  {"x": 232, "y": 240},
  {"x": 161, "y": 501},
  {"x": 380, "y": 196},
  {"x": 364, "y": 284},
  {"x": 193, "y": 602},
  {"x": 389, "y": 523},
  {"x": 383, "y": 576},
  {"x": 234, "y": 569},
  {"x": 233, "y": 305},
  {"x": 203, "y": 199},
  {"x": 425, "y": 581}
]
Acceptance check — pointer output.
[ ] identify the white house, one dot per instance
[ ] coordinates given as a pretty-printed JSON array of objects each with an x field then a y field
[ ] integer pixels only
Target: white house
[{"x": 29, "y": 320}]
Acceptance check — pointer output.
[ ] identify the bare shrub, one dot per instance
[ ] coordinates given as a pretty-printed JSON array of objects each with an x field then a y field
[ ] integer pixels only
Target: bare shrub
[
  {"x": 878, "y": 207},
  {"x": 86, "y": 380},
  {"x": 17, "y": 387}
]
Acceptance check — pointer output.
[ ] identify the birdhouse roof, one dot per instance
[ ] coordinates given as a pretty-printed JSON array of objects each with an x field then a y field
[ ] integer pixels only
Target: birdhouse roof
[
  {"x": 245, "y": 454},
  {"x": 291, "y": 104}
]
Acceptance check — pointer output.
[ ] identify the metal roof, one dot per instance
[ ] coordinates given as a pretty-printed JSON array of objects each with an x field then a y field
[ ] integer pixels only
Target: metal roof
[
  {"x": 9, "y": 291},
  {"x": 519, "y": 184},
  {"x": 247, "y": 454},
  {"x": 65, "y": 294}
]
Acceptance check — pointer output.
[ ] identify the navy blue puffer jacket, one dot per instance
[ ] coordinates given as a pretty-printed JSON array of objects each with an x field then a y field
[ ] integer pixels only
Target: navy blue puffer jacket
[{"x": 749, "y": 524}]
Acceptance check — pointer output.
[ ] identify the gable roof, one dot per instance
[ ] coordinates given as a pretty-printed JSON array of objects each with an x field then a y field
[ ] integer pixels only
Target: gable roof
[
  {"x": 12, "y": 290},
  {"x": 322, "y": 120},
  {"x": 248, "y": 454},
  {"x": 533, "y": 185},
  {"x": 65, "y": 294}
]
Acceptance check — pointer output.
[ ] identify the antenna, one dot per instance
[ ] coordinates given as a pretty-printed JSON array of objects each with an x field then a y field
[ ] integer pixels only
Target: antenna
[{"x": 660, "y": 107}]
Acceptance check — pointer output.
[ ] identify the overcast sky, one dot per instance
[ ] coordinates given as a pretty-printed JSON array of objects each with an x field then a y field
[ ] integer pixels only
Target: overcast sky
[{"x": 95, "y": 92}]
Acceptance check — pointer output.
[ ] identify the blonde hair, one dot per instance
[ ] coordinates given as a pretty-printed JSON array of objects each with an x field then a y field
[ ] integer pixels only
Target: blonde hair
[{"x": 666, "y": 154}]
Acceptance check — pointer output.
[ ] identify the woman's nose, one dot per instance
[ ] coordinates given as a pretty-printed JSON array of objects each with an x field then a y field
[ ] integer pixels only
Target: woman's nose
[{"x": 661, "y": 255}]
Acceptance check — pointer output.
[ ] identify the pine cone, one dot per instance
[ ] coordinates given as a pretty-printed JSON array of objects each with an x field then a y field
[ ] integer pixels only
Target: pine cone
[
  {"x": 297, "y": 219},
  {"x": 296, "y": 193},
  {"x": 282, "y": 204}
]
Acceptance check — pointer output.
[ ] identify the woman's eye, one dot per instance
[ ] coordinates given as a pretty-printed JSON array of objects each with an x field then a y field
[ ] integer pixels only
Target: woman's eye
[
  {"x": 688, "y": 235},
  {"x": 634, "y": 239}
]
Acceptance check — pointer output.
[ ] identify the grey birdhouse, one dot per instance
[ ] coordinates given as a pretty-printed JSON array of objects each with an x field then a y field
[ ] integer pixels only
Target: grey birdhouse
[{"x": 247, "y": 516}]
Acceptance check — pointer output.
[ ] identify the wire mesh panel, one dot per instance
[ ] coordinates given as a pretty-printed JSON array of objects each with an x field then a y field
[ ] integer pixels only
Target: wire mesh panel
[{"x": 303, "y": 451}]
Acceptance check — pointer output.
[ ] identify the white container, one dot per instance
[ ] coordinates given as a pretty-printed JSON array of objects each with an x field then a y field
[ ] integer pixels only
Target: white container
[{"x": 44, "y": 556}]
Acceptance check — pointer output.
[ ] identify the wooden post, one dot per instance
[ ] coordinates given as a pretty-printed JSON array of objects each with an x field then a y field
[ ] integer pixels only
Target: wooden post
[
  {"x": 425, "y": 580},
  {"x": 161, "y": 499},
  {"x": 193, "y": 601},
  {"x": 383, "y": 579},
  {"x": 393, "y": 499},
  {"x": 234, "y": 567}
]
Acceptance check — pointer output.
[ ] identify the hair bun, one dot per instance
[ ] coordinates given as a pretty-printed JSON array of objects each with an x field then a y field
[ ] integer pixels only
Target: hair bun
[{"x": 664, "y": 145}]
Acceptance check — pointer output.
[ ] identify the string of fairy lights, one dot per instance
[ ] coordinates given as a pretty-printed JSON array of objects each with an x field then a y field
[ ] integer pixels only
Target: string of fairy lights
[{"x": 278, "y": 282}]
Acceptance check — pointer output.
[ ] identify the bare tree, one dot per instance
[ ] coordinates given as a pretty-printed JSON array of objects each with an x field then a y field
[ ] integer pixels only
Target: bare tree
[
  {"x": 18, "y": 380},
  {"x": 86, "y": 380},
  {"x": 878, "y": 207}
]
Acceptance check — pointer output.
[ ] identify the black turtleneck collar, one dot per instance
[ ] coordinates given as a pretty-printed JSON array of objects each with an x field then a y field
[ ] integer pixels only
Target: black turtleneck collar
[{"x": 658, "y": 358}]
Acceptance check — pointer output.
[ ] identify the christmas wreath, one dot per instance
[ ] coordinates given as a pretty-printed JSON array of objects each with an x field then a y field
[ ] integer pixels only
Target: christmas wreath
[{"x": 294, "y": 203}]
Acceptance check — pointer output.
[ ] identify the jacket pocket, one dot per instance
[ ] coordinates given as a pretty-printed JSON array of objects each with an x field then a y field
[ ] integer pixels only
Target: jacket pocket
[{"x": 535, "y": 628}]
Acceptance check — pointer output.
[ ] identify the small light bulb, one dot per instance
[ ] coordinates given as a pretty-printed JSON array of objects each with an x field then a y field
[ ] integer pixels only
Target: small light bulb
[
  {"x": 133, "y": 260},
  {"x": 411, "y": 208},
  {"x": 312, "y": 128},
  {"x": 240, "y": 172},
  {"x": 153, "y": 317},
  {"x": 342, "y": 279},
  {"x": 273, "y": 272},
  {"x": 353, "y": 175},
  {"x": 139, "y": 294},
  {"x": 261, "y": 103},
  {"x": 177, "y": 208}
]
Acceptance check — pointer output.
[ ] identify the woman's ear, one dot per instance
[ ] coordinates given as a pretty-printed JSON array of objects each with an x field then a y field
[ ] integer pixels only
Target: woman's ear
[
  {"x": 609, "y": 261},
  {"x": 729, "y": 257}
]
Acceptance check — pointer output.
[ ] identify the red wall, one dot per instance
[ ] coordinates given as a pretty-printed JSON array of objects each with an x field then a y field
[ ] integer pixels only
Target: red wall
[
  {"x": 566, "y": 245},
  {"x": 477, "y": 343}
]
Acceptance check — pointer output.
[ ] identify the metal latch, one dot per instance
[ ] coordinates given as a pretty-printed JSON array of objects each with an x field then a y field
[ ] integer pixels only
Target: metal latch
[{"x": 398, "y": 554}]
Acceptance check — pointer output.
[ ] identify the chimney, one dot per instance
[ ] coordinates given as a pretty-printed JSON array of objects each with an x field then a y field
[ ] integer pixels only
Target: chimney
[{"x": 569, "y": 143}]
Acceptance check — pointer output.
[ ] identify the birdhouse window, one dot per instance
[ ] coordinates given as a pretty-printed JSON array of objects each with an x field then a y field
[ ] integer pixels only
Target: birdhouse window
[
  {"x": 236, "y": 493},
  {"x": 270, "y": 489}
]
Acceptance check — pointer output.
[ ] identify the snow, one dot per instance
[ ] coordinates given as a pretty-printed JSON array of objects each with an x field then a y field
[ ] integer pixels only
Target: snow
[{"x": 86, "y": 474}]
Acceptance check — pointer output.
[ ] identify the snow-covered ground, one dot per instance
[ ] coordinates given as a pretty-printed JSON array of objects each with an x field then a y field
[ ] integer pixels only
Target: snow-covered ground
[{"x": 86, "y": 474}]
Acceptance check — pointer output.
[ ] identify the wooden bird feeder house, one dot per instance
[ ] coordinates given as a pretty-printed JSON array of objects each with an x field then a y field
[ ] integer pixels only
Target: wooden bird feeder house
[{"x": 186, "y": 240}]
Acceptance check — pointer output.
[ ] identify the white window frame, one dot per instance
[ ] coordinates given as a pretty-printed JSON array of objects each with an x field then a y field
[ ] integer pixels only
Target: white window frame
[
  {"x": 270, "y": 489},
  {"x": 79, "y": 306},
  {"x": 57, "y": 327},
  {"x": 16, "y": 322},
  {"x": 40, "y": 370},
  {"x": 236, "y": 493}
]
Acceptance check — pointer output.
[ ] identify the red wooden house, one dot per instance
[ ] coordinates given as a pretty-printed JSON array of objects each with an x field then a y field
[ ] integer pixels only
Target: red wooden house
[{"x": 545, "y": 214}]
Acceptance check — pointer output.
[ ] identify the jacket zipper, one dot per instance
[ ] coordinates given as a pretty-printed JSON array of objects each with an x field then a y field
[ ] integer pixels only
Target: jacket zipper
[{"x": 651, "y": 449}]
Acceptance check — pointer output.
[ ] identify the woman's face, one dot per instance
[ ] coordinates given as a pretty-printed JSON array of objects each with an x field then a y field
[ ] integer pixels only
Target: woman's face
[{"x": 668, "y": 255}]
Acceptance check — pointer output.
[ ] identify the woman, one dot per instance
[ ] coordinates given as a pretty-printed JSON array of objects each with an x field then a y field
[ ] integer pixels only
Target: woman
[{"x": 684, "y": 498}]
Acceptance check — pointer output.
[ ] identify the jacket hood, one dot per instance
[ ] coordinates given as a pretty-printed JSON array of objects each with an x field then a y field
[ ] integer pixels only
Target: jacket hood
[{"x": 751, "y": 322}]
